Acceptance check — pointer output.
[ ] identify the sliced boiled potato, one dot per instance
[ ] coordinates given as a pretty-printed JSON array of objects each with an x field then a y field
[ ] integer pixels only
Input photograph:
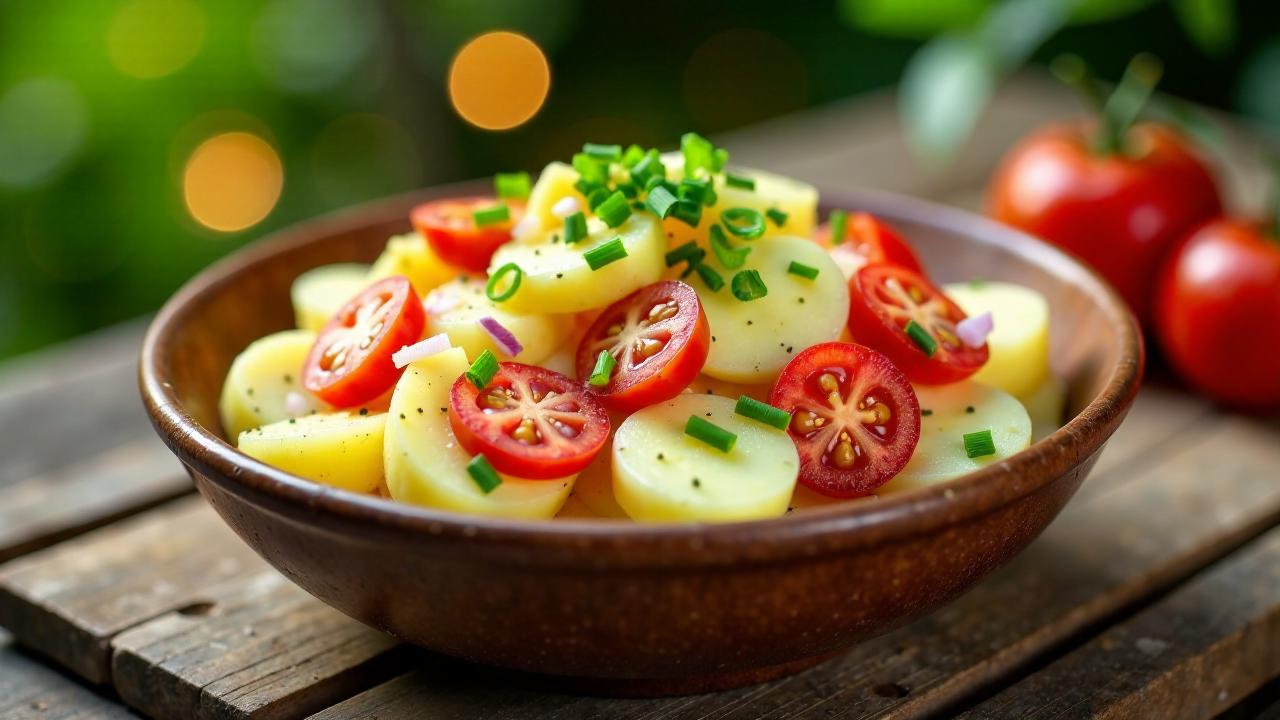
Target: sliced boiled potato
[
  {"x": 948, "y": 413},
  {"x": 320, "y": 292},
  {"x": 594, "y": 487},
  {"x": 1019, "y": 340},
  {"x": 457, "y": 306},
  {"x": 753, "y": 340},
  {"x": 554, "y": 184},
  {"x": 340, "y": 449},
  {"x": 707, "y": 385},
  {"x": 425, "y": 465},
  {"x": 797, "y": 199},
  {"x": 411, "y": 255},
  {"x": 261, "y": 378},
  {"x": 660, "y": 474},
  {"x": 557, "y": 279},
  {"x": 1046, "y": 405}
]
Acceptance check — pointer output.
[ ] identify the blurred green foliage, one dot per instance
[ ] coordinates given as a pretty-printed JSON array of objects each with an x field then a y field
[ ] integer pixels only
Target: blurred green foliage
[{"x": 101, "y": 103}]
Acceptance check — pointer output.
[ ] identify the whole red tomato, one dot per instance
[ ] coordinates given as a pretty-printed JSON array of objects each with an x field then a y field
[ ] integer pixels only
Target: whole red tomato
[
  {"x": 1119, "y": 212},
  {"x": 1218, "y": 312}
]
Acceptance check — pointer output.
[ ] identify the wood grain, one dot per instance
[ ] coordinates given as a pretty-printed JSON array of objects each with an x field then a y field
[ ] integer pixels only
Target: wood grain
[
  {"x": 1193, "y": 654},
  {"x": 30, "y": 690}
]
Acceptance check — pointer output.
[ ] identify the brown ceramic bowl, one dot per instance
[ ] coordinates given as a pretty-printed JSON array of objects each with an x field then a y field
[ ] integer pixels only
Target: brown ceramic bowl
[{"x": 626, "y": 608}]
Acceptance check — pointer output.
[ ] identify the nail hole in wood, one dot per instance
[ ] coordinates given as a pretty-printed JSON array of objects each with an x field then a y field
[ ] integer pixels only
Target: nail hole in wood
[
  {"x": 197, "y": 609},
  {"x": 891, "y": 690}
]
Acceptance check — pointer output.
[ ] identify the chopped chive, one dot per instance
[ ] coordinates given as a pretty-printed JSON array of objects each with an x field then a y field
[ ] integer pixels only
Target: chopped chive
[
  {"x": 700, "y": 155},
  {"x": 659, "y": 181},
  {"x": 661, "y": 201},
  {"x": 979, "y": 444},
  {"x": 628, "y": 189},
  {"x": 596, "y": 197},
  {"x": 633, "y": 155},
  {"x": 688, "y": 211},
  {"x": 512, "y": 185},
  {"x": 710, "y": 433},
  {"x": 743, "y": 222},
  {"x": 614, "y": 211},
  {"x": 698, "y": 190},
  {"x": 606, "y": 153},
  {"x": 482, "y": 370},
  {"x": 587, "y": 187},
  {"x": 575, "y": 228},
  {"x": 778, "y": 217},
  {"x": 687, "y": 252},
  {"x": 838, "y": 220},
  {"x": 491, "y": 287},
  {"x": 764, "y": 412},
  {"x": 739, "y": 181},
  {"x": 603, "y": 371},
  {"x": 747, "y": 285},
  {"x": 709, "y": 276},
  {"x": 637, "y": 205},
  {"x": 491, "y": 216},
  {"x": 805, "y": 271},
  {"x": 483, "y": 474},
  {"x": 921, "y": 337},
  {"x": 728, "y": 255},
  {"x": 591, "y": 169},
  {"x": 650, "y": 166},
  {"x": 601, "y": 255}
]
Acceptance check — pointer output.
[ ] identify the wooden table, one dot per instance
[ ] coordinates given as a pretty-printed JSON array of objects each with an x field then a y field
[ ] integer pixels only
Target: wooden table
[{"x": 1156, "y": 593}]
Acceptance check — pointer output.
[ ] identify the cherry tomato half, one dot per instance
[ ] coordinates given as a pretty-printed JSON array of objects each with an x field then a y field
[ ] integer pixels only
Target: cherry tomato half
[
  {"x": 867, "y": 240},
  {"x": 450, "y": 228},
  {"x": 659, "y": 337},
  {"x": 350, "y": 362},
  {"x": 855, "y": 419},
  {"x": 530, "y": 422},
  {"x": 884, "y": 299}
]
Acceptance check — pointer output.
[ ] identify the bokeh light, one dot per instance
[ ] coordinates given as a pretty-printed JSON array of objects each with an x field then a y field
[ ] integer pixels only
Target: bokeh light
[
  {"x": 742, "y": 76},
  {"x": 43, "y": 122},
  {"x": 306, "y": 46},
  {"x": 232, "y": 181},
  {"x": 499, "y": 80},
  {"x": 153, "y": 38}
]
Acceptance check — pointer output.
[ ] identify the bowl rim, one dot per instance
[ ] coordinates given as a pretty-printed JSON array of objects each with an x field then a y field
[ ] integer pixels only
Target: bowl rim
[{"x": 813, "y": 532}]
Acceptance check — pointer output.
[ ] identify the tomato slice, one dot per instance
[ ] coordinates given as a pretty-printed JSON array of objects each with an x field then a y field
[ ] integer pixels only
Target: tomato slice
[
  {"x": 529, "y": 421},
  {"x": 855, "y": 419},
  {"x": 659, "y": 337},
  {"x": 883, "y": 299},
  {"x": 450, "y": 228},
  {"x": 869, "y": 240},
  {"x": 350, "y": 362}
]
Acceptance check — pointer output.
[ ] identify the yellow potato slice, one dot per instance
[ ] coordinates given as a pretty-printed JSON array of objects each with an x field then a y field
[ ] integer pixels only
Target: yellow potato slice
[
  {"x": 1046, "y": 405},
  {"x": 1019, "y": 340},
  {"x": 410, "y": 255},
  {"x": 594, "y": 487},
  {"x": 260, "y": 380},
  {"x": 557, "y": 279},
  {"x": 457, "y": 306},
  {"x": 554, "y": 184},
  {"x": 343, "y": 449},
  {"x": 320, "y": 292},
  {"x": 948, "y": 412},
  {"x": 425, "y": 465},
  {"x": 660, "y": 474},
  {"x": 707, "y": 385},
  {"x": 752, "y": 341}
]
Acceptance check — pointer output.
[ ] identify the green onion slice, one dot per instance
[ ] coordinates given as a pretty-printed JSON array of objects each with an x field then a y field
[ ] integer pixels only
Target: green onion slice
[
  {"x": 838, "y": 220},
  {"x": 605, "y": 153},
  {"x": 710, "y": 433},
  {"x": 491, "y": 216},
  {"x": 979, "y": 444},
  {"x": 575, "y": 228},
  {"x": 747, "y": 285},
  {"x": 661, "y": 201},
  {"x": 596, "y": 197},
  {"x": 483, "y": 474},
  {"x": 649, "y": 167},
  {"x": 805, "y": 271},
  {"x": 491, "y": 287},
  {"x": 512, "y": 185},
  {"x": 687, "y": 252},
  {"x": 743, "y": 222},
  {"x": 603, "y": 371},
  {"x": 591, "y": 169},
  {"x": 729, "y": 256},
  {"x": 921, "y": 337},
  {"x": 482, "y": 370},
  {"x": 701, "y": 155},
  {"x": 688, "y": 211},
  {"x": 739, "y": 181},
  {"x": 633, "y": 155},
  {"x": 778, "y": 217},
  {"x": 709, "y": 276},
  {"x": 698, "y": 190},
  {"x": 764, "y": 412},
  {"x": 601, "y": 255},
  {"x": 615, "y": 210}
]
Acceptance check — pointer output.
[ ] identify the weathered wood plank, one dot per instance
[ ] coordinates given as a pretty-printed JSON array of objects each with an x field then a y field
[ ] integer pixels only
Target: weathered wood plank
[
  {"x": 58, "y": 504},
  {"x": 30, "y": 690},
  {"x": 1194, "y": 654}
]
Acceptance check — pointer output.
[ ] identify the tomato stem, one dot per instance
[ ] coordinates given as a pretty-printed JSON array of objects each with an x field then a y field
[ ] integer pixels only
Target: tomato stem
[
  {"x": 1072, "y": 71},
  {"x": 1127, "y": 101}
]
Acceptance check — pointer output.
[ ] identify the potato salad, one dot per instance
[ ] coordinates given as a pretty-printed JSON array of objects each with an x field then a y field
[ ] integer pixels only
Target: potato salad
[{"x": 645, "y": 336}]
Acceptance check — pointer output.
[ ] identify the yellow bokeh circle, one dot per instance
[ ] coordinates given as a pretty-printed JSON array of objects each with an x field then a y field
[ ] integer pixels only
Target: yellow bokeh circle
[
  {"x": 232, "y": 181},
  {"x": 499, "y": 80}
]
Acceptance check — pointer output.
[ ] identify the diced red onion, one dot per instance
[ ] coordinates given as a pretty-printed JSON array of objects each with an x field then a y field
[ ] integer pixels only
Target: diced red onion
[
  {"x": 566, "y": 206},
  {"x": 419, "y": 350},
  {"x": 296, "y": 404},
  {"x": 973, "y": 331},
  {"x": 502, "y": 337}
]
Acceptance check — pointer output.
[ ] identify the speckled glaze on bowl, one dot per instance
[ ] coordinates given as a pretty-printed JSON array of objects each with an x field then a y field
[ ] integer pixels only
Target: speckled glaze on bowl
[{"x": 623, "y": 608}]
